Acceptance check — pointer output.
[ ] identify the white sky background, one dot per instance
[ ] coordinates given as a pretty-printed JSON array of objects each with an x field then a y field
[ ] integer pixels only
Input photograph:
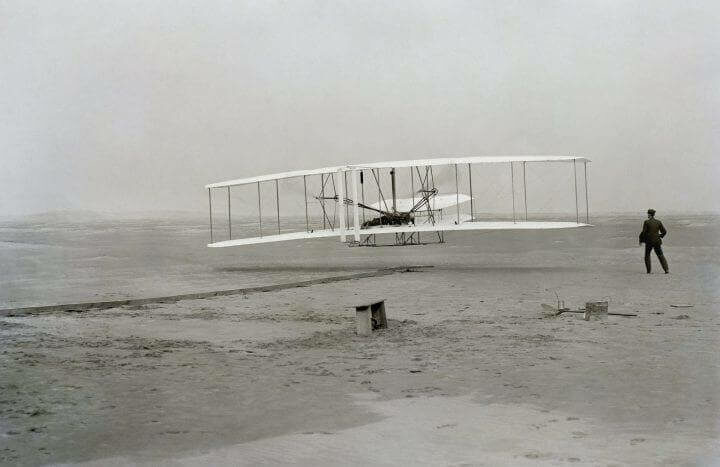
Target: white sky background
[{"x": 135, "y": 105}]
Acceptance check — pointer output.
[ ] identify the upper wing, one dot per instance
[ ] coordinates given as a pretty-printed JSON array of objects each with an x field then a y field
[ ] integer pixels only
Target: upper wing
[
  {"x": 276, "y": 176},
  {"x": 396, "y": 164},
  {"x": 467, "y": 160}
]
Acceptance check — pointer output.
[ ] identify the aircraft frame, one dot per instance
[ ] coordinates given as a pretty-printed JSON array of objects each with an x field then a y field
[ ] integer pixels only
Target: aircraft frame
[{"x": 425, "y": 205}]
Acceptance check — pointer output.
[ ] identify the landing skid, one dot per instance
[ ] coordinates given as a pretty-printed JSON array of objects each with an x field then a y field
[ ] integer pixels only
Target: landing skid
[{"x": 401, "y": 239}]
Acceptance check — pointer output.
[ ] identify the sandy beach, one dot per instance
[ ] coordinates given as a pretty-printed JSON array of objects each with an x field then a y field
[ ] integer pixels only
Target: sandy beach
[
  {"x": 470, "y": 371},
  {"x": 197, "y": 197}
]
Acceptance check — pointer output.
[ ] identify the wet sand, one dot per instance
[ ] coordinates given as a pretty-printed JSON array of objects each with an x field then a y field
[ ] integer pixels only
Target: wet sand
[{"x": 469, "y": 372}]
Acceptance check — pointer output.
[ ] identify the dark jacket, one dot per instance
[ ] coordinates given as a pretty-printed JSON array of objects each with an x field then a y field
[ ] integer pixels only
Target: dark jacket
[{"x": 652, "y": 233}]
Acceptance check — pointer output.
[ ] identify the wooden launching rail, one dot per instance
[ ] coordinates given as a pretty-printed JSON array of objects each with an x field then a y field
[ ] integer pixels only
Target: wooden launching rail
[{"x": 79, "y": 307}]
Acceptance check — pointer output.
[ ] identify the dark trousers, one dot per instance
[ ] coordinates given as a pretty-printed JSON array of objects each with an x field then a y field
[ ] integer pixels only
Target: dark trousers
[{"x": 659, "y": 252}]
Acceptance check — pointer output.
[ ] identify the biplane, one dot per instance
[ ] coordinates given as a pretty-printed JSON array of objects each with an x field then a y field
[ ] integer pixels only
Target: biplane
[{"x": 404, "y": 199}]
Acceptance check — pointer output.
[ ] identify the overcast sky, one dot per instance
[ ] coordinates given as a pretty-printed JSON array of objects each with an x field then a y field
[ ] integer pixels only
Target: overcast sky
[{"x": 135, "y": 105}]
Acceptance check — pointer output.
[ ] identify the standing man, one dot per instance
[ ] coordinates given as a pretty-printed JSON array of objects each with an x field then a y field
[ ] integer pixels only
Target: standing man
[{"x": 652, "y": 233}]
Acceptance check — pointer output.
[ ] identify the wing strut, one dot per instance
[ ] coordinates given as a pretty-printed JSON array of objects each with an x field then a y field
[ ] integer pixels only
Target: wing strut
[
  {"x": 259, "y": 209},
  {"x": 362, "y": 190},
  {"x": 587, "y": 202},
  {"x": 425, "y": 190},
  {"x": 347, "y": 215},
  {"x": 322, "y": 198},
  {"x": 307, "y": 218},
  {"x": 277, "y": 199},
  {"x": 229, "y": 218},
  {"x": 525, "y": 189},
  {"x": 342, "y": 208},
  {"x": 577, "y": 209},
  {"x": 322, "y": 194},
  {"x": 512, "y": 188},
  {"x": 381, "y": 196},
  {"x": 210, "y": 202},
  {"x": 356, "y": 210},
  {"x": 392, "y": 184},
  {"x": 457, "y": 195},
  {"x": 412, "y": 186},
  {"x": 472, "y": 210}
]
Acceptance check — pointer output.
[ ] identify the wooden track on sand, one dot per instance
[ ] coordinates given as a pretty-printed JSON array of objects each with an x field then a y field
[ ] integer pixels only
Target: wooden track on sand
[{"x": 84, "y": 306}]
